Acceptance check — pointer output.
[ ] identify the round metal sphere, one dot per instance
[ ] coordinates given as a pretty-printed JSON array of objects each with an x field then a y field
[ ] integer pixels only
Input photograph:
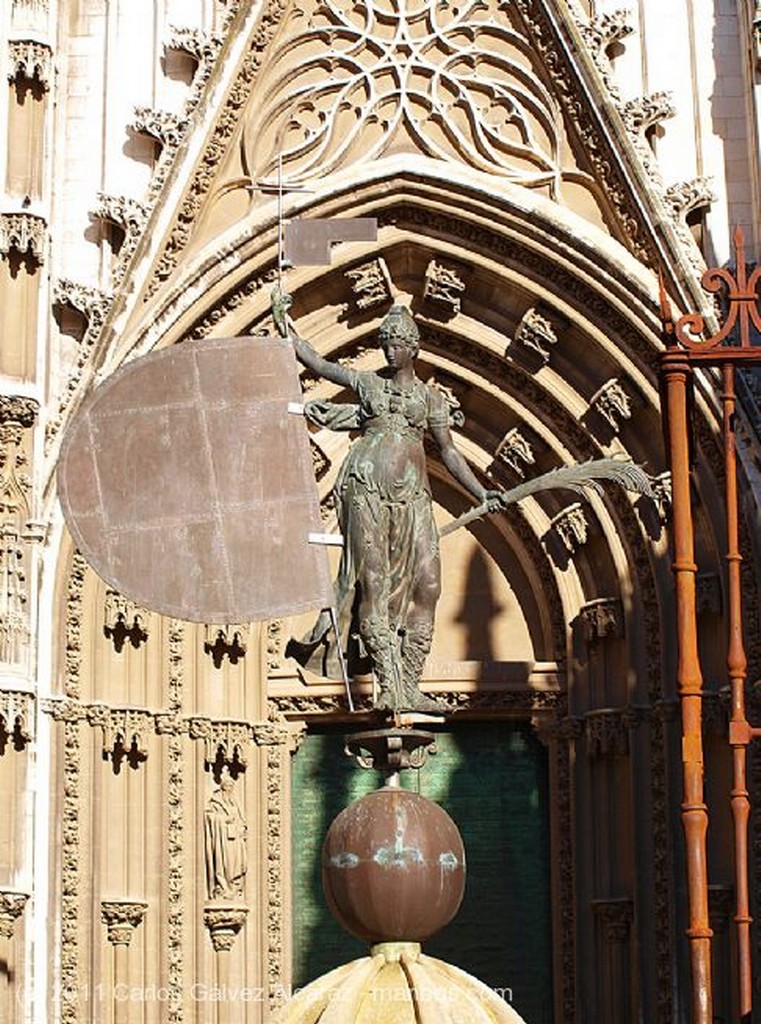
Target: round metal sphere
[{"x": 393, "y": 867}]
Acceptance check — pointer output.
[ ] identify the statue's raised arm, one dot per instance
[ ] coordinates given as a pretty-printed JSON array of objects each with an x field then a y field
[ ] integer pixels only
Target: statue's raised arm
[
  {"x": 389, "y": 579},
  {"x": 281, "y": 304}
]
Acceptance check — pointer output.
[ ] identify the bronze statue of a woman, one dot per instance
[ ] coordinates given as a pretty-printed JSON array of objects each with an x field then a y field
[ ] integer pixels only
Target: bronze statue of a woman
[{"x": 390, "y": 564}]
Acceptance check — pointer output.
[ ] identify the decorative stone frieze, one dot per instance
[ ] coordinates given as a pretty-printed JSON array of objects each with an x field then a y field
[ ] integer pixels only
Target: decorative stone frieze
[
  {"x": 444, "y": 284},
  {"x": 128, "y": 214},
  {"x": 516, "y": 452},
  {"x": 370, "y": 283},
  {"x": 602, "y": 619},
  {"x": 123, "y": 621},
  {"x": 225, "y": 641},
  {"x": 121, "y": 918},
  {"x": 32, "y": 60},
  {"x": 224, "y": 923},
  {"x": 24, "y": 233},
  {"x": 601, "y": 35},
  {"x": 12, "y": 905},
  {"x": 613, "y": 402},
  {"x": 572, "y": 527},
  {"x": 167, "y": 128},
  {"x": 536, "y": 333}
]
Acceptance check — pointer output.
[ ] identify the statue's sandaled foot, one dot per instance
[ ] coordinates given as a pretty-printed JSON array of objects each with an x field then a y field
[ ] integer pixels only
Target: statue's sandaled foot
[{"x": 426, "y": 705}]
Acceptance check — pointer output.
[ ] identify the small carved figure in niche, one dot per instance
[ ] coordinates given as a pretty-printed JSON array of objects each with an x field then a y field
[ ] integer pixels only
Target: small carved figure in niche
[
  {"x": 225, "y": 843},
  {"x": 389, "y": 579}
]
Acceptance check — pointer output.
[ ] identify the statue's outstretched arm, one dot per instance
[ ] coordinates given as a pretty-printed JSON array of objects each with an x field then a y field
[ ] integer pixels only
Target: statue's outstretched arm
[
  {"x": 334, "y": 372},
  {"x": 455, "y": 462}
]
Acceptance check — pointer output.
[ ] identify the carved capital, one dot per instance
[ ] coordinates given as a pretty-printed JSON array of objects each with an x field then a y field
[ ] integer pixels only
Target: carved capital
[
  {"x": 601, "y": 619},
  {"x": 224, "y": 923},
  {"x": 31, "y": 59},
  {"x": 370, "y": 283},
  {"x": 12, "y": 905},
  {"x": 124, "y": 731},
  {"x": 167, "y": 128},
  {"x": 516, "y": 452},
  {"x": 123, "y": 620},
  {"x": 18, "y": 410},
  {"x": 121, "y": 918},
  {"x": 23, "y": 233},
  {"x": 536, "y": 333},
  {"x": 607, "y": 730}
]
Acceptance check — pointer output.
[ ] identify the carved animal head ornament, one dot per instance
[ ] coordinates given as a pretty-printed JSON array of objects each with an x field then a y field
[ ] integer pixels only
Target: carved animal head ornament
[{"x": 399, "y": 325}]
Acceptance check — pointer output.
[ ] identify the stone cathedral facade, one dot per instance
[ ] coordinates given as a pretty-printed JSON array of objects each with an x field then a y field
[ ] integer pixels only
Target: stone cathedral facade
[{"x": 532, "y": 166}]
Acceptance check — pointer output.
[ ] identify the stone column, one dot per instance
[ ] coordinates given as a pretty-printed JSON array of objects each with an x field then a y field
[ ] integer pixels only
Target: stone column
[{"x": 121, "y": 917}]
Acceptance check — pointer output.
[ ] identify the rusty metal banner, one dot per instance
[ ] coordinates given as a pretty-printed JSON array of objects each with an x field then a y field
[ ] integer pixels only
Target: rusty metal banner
[{"x": 188, "y": 485}]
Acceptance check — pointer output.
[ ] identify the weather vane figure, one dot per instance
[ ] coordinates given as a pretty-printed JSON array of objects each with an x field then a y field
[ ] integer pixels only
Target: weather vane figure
[{"x": 389, "y": 578}]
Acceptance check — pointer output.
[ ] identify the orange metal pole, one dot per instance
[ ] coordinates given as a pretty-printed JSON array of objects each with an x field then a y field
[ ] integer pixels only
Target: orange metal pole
[
  {"x": 739, "y": 732},
  {"x": 676, "y": 373}
]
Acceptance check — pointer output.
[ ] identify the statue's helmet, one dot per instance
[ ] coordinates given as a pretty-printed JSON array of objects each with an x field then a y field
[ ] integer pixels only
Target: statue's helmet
[{"x": 398, "y": 324}]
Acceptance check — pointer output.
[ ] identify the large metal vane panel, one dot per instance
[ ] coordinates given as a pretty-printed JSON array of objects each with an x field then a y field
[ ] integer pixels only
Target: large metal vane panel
[{"x": 188, "y": 485}]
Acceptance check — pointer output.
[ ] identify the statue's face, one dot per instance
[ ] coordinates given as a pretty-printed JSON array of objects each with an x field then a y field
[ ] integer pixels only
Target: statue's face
[{"x": 398, "y": 352}]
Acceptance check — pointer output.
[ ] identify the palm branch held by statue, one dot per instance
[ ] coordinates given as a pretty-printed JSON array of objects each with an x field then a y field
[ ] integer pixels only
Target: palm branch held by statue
[{"x": 389, "y": 576}]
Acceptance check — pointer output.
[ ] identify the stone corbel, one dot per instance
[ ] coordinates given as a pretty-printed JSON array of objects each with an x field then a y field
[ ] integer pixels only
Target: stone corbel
[
  {"x": 370, "y": 283},
  {"x": 225, "y": 641},
  {"x": 124, "y": 732},
  {"x": 516, "y": 452},
  {"x": 684, "y": 197},
  {"x": 536, "y": 334},
  {"x": 121, "y": 918},
  {"x": 445, "y": 284},
  {"x": 202, "y": 47},
  {"x": 225, "y": 743},
  {"x": 17, "y": 717},
  {"x": 607, "y": 731},
  {"x": 602, "y": 619},
  {"x": 122, "y": 621},
  {"x": 168, "y": 129},
  {"x": 602, "y": 34},
  {"x": 613, "y": 403},
  {"x": 32, "y": 60},
  {"x": 224, "y": 923},
  {"x": 12, "y": 905},
  {"x": 92, "y": 303},
  {"x": 128, "y": 214},
  {"x": 641, "y": 116},
  {"x": 572, "y": 527},
  {"x": 23, "y": 233}
]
